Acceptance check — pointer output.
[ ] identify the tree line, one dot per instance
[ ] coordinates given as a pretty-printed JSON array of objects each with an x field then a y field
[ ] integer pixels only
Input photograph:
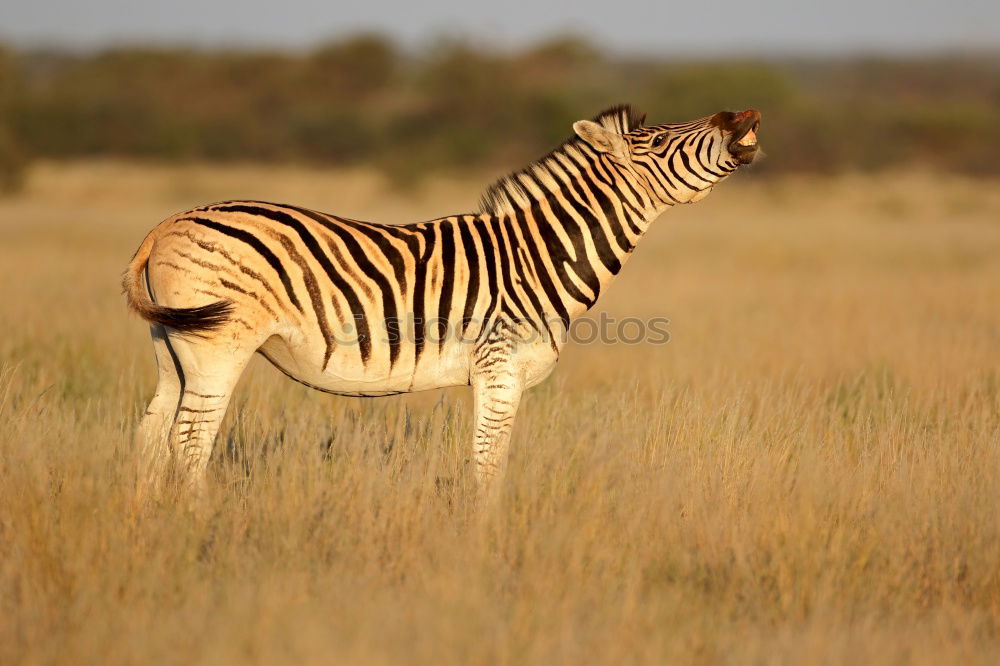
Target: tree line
[{"x": 364, "y": 100}]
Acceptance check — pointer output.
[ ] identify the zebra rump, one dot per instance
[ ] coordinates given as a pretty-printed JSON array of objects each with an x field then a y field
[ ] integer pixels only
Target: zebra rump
[{"x": 197, "y": 320}]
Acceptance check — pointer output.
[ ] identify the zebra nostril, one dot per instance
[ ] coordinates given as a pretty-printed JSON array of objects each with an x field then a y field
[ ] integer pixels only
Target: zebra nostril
[
  {"x": 724, "y": 119},
  {"x": 731, "y": 122}
]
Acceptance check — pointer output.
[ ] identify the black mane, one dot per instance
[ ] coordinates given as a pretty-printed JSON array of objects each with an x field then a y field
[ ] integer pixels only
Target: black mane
[{"x": 501, "y": 195}]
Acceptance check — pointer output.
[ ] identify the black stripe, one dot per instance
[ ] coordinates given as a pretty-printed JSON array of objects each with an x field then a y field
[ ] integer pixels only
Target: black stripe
[
  {"x": 256, "y": 244},
  {"x": 373, "y": 230},
  {"x": 419, "y": 295},
  {"x": 592, "y": 160},
  {"x": 677, "y": 174},
  {"x": 528, "y": 291},
  {"x": 170, "y": 350},
  {"x": 581, "y": 206},
  {"x": 357, "y": 310},
  {"x": 385, "y": 246},
  {"x": 581, "y": 265},
  {"x": 489, "y": 258},
  {"x": 313, "y": 386},
  {"x": 472, "y": 260},
  {"x": 701, "y": 149},
  {"x": 653, "y": 167},
  {"x": 540, "y": 270},
  {"x": 615, "y": 183},
  {"x": 506, "y": 270},
  {"x": 557, "y": 253},
  {"x": 655, "y": 164},
  {"x": 687, "y": 165},
  {"x": 315, "y": 294},
  {"x": 447, "y": 280},
  {"x": 610, "y": 214},
  {"x": 216, "y": 248},
  {"x": 368, "y": 268}
]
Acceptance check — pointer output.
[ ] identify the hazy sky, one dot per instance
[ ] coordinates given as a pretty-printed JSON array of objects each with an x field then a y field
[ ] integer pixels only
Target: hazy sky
[{"x": 661, "y": 27}]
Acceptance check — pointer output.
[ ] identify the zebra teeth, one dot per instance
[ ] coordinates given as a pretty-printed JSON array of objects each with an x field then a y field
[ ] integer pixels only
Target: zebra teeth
[{"x": 749, "y": 139}]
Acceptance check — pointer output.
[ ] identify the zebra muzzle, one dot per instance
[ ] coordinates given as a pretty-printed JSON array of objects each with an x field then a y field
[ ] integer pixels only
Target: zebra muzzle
[{"x": 743, "y": 127}]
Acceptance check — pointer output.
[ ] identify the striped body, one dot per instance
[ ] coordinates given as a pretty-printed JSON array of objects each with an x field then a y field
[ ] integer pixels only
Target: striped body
[
  {"x": 352, "y": 307},
  {"x": 367, "y": 309}
]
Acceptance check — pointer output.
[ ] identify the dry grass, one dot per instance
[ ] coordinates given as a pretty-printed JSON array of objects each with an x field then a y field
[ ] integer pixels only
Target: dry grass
[{"x": 807, "y": 474}]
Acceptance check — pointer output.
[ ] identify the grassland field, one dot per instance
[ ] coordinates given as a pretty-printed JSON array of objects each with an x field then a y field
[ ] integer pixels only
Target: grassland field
[{"x": 807, "y": 473}]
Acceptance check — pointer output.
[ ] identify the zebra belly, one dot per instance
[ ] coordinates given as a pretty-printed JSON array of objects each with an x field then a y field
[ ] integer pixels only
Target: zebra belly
[{"x": 346, "y": 375}]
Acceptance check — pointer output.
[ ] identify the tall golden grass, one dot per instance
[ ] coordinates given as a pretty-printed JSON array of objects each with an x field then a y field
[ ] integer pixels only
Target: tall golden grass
[{"x": 808, "y": 473}]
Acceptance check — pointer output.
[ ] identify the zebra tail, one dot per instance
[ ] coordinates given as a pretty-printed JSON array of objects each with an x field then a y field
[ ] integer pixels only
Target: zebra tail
[{"x": 196, "y": 320}]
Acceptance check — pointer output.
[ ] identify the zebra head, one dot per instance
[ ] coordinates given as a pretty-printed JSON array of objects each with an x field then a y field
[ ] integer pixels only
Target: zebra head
[{"x": 678, "y": 162}]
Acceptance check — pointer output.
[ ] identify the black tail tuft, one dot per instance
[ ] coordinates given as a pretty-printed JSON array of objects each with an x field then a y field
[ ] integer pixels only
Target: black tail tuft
[{"x": 196, "y": 321}]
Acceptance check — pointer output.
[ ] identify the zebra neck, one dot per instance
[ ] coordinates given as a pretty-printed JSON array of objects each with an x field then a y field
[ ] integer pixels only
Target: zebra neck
[
  {"x": 588, "y": 223},
  {"x": 602, "y": 200}
]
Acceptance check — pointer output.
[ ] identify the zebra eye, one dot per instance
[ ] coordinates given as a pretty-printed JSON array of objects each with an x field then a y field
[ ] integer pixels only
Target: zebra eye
[{"x": 659, "y": 140}]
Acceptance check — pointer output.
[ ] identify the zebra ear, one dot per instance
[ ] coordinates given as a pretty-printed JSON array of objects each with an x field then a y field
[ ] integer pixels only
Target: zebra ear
[{"x": 600, "y": 139}]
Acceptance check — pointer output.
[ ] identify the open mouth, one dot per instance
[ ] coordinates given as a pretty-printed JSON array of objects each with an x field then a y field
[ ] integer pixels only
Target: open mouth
[{"x": 743, "y": 144}]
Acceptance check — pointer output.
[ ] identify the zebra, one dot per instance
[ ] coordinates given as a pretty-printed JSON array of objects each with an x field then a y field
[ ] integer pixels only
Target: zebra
[{"x": 358, "y": 308}]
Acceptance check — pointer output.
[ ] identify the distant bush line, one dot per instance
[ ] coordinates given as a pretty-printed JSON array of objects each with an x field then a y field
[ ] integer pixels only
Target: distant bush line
[{"x": 363, "y": 100}]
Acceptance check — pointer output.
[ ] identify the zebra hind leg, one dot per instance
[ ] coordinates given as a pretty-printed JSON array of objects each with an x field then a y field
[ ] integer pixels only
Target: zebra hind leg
[
  {"x": 209, "y": 371},
  {"x": 153, "y": 432}
]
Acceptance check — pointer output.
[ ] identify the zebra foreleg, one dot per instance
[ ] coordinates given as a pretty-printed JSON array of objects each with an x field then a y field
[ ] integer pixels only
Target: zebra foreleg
[{"x": 498, "y": 391}]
